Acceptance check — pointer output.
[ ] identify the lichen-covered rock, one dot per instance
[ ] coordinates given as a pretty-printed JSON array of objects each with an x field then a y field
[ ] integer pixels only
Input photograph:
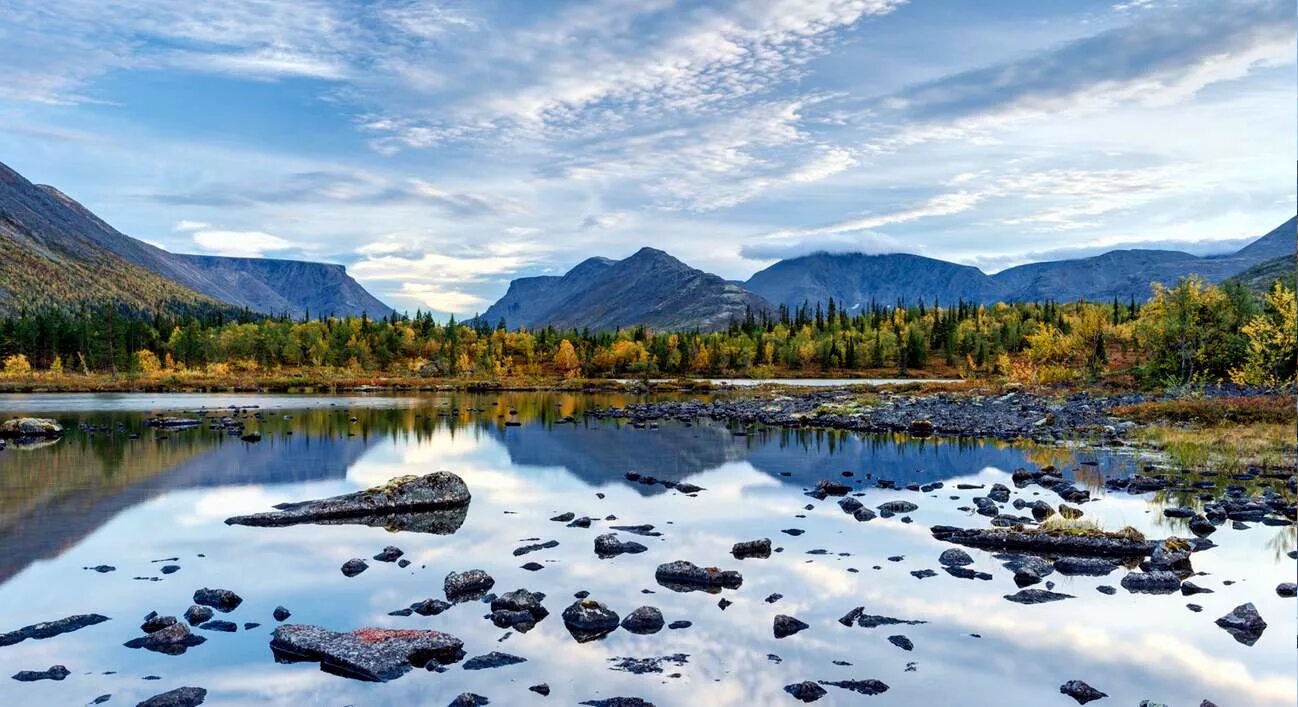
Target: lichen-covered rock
[
  {"x": 30, "y": 427},
  {"x": 433, "y": 503},
  {"x": 373, "y": 654}
]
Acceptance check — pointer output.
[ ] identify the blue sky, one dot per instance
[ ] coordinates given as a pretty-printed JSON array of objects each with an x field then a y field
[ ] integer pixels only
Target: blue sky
[{"x": 439, "y": 149}]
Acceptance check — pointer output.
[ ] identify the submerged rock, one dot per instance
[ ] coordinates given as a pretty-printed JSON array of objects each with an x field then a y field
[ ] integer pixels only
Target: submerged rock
[
  {"x": 494, "y": 659},
  {"x": 54, "y": 672},
  {"x": 1036, "y": 596},
  {"x": 179, "y": 697},
  {"x": 861, "y": 687},
  {"x": 1243, "y": 623},
  {"x": 588, "y": 620},
  {"x": 683, "y": 576},
  {"x": 433, "y": 503},
  {"x": 373, "y": 654},
  {"x": 49, "y": 629},
  {"x": 1085, "y": 566},
  {"x": 1080, "y": 691},
  {"x": 1157, "y": 582}
]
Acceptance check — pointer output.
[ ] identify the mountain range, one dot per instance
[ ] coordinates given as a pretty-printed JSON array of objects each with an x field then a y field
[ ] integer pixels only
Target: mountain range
[
  {"x": 653, "y": 288},
  {"x": 56, "y": 252}
]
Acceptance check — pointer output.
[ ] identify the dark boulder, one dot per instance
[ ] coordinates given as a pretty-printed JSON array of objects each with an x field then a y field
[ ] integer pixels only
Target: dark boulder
[
  {"x": 179, "y": 697},
  {"x": 787, "y": 626},
  {"x": 609, "y": 545},
  {"x": 805, "y": 691},
  {"x": 644, "y": 620},
  {"x": 588, "y": 620},
  {"x": 1243, "y": 623},
  {"x": 373, "y": 654},
  {"x": 434, "y": 503},
  {"x": 685, "y": 576},
  {"x": 467, "y": 586},
  {"x": 1080, "y": 691},
  {"x": 752, "y": 548},
  {"x": 223, "y": 600}
]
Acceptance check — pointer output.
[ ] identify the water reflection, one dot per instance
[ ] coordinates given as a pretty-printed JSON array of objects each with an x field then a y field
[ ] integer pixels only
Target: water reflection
[{"x": 106, "y": 498}]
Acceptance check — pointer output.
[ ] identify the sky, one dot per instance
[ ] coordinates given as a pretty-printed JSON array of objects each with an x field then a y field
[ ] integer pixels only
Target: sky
[{"x": 440, "y": 149}]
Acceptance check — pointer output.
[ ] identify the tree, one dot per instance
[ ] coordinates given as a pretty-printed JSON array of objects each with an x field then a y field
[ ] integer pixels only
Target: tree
[
  {"x": 565, "y": 359},
  {"x": 1272, "y": 341}
]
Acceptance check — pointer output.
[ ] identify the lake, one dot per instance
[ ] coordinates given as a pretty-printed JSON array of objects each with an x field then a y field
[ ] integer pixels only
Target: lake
[{"x": 105, "y": 498}]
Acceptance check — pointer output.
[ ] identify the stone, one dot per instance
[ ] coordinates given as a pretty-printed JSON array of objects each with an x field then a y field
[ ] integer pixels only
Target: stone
[
  {"x": 281, "y": 613},
  {"x": 1045, "y": 542},
  {"x": 434, "y": 503},
  {"x": 954, "y": 557},
  {"x": 391, "y": 553},
  {"x": 861, "y": 687},
  {"x": 752, "y": 548},
  {"x": 469, "y": 585},
  {"x": 1036, "y": 596},
  {"x": 354, "y": 566},
  {"x": 373, "y": 654},
  {"x": 1243, "y": 623},
  {"x": 1080, "y": 691},
  {"x": 223, "y": 626},
  {"x": 179, "y": 697},
  {"x": 54, "y": 672},
  {"x": 153, "y": 622},
  {"x": 494, "y": 659},
  {"x": 863, "y": 515},
  {"x": 1287, "y": 589},
  {"x": 901, "y": 642},
  {"x": 49, "y": 629},
  {"x": 644, "y": 620},
  {"x": 684, "y": 576},
  {"x": 30, "y": 428},
  {"x": 196, "y": 614},
  {"x": 1085, "y": 566},
  {"x": 172, "y": 640},
  {"x": 609, "y": 545},
  {"x": 223, "y": 600},
  {"x": 785, "y": 626},
  {"x": 805, "y": 691},
  {"x": 897, "y": 507},
  {"x": 1157, "y": 582},
  {"x": 469, "y": 699},
  {"x": 589, "y": 620}
]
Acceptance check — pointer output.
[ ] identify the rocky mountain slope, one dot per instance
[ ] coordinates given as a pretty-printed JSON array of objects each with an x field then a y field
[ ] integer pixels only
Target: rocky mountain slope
[
  {"x": 649, "y": 287},
  {"x": 47, "y": 238}
]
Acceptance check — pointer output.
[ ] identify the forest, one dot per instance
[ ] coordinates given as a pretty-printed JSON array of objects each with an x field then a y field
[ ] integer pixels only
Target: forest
[{"x": 1193, "y": 332}]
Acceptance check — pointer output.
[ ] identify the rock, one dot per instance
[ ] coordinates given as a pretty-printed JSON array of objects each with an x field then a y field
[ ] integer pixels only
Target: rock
[
  {"x": 901, "y": 642},
  {"x": 1036, "y": 596},
  {"x": 1244, "y": 624},
  {"x": 864, "y": 514},
  {"x": 564, "y": 517},
  {"x": 169, "y": 569},
  {"x": 54, "y": 672},
  {"x": 223, "y": 600},
  {"x": 542, "y": 689},
  {"x": 30, "y": 428},
  {"x": 588, "y": 620},
  {"x": 532, "y": 566},
  {"x": 49, "y": 629},
  {"x": 920, "y": 428},
  {"x": 1045, "y": 542},
  {"x": 172, "y": 640},
  {"x": 494, "y": 659},
  {"x": 250, "y": 625},
  {"x": 644, "y": 620},
  {"x": 897, "y": 507},
  {"x": 153, "y": 622},
  {"x": 1179, "y": 512},
  {"x": 861, "y": 687},
  {"x": 373, "y": 654},
  {"x": 1069, "y": 512},
  {"x": 224, "y": 626},
  {"x": 954, "y": 557},
  {"x": 434, "y": 503},
  {"x": 1042, "y": 510},
  {"x": 548, "y": 544},
  {"x": 752, "y": 548},
  {"x": 429, "y": 607},
  {"x": 1287, "y": 589},
  {"x": 391, "y": 553},
  {"x": 467, "y": 586},
  {"x": 618, "y": 702},
  {"x": 470, "y": 699},
  {"x": 1157, "y": 582},
  {"x": 1080, "y": 691},
  {"x": 280, "y": 613},
  {"x": 787, "y": 626},
  {"x": 642, "y": 666},
  {"x": 805, "y": 691},
  {"x": 354, "y": 566},
  {"x": 999, "y": 493},
  {"x": 923, "y": 574},
  {"x": 1106, "y": 589},
  {"x": 685, "y": 576},
  {"x": 1189, "y": 588},
  {"x": 179, "y": 697},
  {"x": 678, "y": 625},
  {"x": 196, "y": 614},
  {"x": 1085, "y": 566},
  {"x": 1202, "y": 527},
  {"x": 609, "y": 545},
  {"x": 1029, "y": 570},
  {"x": 519, "y": 609},
  {"x": 831, "y": 488},
  {"x": 850, "y": 505}
]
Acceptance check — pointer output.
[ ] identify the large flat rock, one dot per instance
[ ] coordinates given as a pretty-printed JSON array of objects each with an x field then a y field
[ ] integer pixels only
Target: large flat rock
[
  {"x": 374, "y": 654},
  {"x": 433, "y": 503}
]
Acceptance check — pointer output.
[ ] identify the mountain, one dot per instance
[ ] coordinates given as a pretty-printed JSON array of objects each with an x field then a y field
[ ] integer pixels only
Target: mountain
[
  {"x": 854, "y": 279},
  {"x": 46, "y": 236},
  {"x": 1259, "y": 277},
  {"x": 649, "y": 287}
]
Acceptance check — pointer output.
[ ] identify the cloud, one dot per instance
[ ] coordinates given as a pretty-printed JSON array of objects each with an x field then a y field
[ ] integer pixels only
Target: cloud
[
  {"x": 439, "y": 299},
  {"x": 189, "y": 226},
  {"x": 995, "y": 262},
  {"x": 940, "y": 205},
  {"x": 242, "y": 244},
  {"x": 867, "y": 242},
  {"x": 603, "y": 222}
]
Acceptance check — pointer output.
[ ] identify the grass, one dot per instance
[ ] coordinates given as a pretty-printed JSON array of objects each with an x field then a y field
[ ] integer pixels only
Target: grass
[
  {"x": 1228, "y": 447},
  {"x": 1058, "y": 525},
  {"x": 1278, "y": 409}
]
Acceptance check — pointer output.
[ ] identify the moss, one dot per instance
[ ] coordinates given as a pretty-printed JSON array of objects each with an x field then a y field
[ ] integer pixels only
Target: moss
[{"x": 1057, "y": 525}]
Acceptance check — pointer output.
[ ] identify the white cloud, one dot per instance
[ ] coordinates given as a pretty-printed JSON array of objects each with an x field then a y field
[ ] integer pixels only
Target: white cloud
[
  {"x": 187, "y": 226},
  {"x": 242, "y": 244},
  {"x": 441, "y": 300}
]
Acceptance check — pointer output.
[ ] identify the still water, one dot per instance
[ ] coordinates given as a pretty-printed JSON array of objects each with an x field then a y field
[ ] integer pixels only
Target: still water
[{"x": 93, "y": 499}]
